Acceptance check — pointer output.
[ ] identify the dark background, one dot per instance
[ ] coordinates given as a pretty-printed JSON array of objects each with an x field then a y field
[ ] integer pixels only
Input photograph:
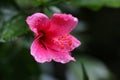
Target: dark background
[{"x": 98, "y": 58}]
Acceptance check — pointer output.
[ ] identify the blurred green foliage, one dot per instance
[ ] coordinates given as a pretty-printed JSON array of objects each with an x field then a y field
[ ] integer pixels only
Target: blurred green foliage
[
  {"x": 88, "y": 68},
  {"x": 96, "y": 4},
  {"x": 14, "y": 27},
  {"x": 16, "y": 63}
]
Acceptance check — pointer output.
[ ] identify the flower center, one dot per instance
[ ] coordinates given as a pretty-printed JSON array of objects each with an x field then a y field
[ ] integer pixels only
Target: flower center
[
  {"x": 41, "y": 34},
  {"x": 41, "y": 38},
  {"x": 64, "y": 41}
]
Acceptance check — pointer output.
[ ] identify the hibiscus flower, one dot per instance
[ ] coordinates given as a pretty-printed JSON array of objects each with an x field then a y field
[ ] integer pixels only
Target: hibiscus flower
[{"x": 53, "y": 40}]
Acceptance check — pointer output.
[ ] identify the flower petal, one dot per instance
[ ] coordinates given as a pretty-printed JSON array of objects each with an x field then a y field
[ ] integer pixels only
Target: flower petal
[
  {"x": 39, "y": 52},
  {"x": 62, "y": 57},
  {"x": 76, "y": 42},
  {"x": 63, "y": 43},
  {"x": 37, "y": 22},
  {"x": 43, "y": 55},
  {"x": 62, "y": 23}
]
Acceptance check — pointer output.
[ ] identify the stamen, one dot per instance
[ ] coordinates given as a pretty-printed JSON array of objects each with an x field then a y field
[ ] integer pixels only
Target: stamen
[
  {"x": 62, "y": 46},
  {"x": 64, "y": 41},
  {"x": 70, "y": 42}
]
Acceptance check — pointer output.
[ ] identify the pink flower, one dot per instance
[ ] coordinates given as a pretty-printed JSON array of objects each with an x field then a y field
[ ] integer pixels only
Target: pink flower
[{"x": 52, "y": 37}]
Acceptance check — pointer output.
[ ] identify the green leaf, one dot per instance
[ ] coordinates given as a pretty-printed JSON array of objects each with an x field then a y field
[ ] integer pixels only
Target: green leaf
[
  {"x": 87, "y": 68},
  {"x": 40, "y": 2},
  {"x": 77, "y": 71},
  {"x": 14, "y": 28},
  {"x": 31, "y": 3},
  {"x": 95, "y": 69},
  {"x": 25, "y": 3},
  {"x": 96, "y": 4},
  {"x": 113, "y": 3},
  {"x": 50, "y": 10}
]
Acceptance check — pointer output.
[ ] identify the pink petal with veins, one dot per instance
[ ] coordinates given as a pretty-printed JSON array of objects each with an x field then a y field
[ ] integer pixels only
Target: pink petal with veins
[
  {"x": 37, "y": 22},
  {"x": 39, "y": 52},
  {"x": 62, "y": 23}
]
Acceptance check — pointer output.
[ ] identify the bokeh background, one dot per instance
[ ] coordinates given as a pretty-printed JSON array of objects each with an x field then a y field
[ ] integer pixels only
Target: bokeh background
[{"x": 98, "y": 58}]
